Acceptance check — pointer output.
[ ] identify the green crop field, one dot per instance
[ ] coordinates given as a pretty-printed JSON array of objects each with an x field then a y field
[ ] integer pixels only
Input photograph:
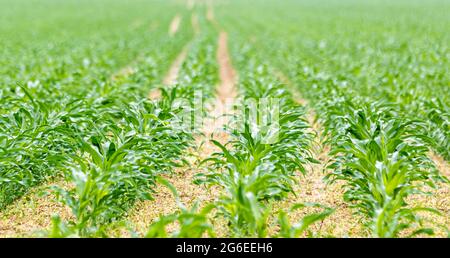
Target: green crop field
[{"x": 224, "y": 118}]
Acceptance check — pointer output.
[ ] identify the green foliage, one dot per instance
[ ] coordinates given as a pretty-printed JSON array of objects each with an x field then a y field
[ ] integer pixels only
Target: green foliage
[
  {"x": 289, "y": 230},
  {"x": 254, "y": 167},
  {"x": 378, "y": 86},
  {"x": 130, "y": 144},
  {"x": 74, "y": 103},
  {"x": 383, "y": 160}
]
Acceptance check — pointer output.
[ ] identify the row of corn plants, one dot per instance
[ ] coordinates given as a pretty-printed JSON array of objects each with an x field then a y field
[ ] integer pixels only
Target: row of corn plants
[
  {"x": 148, "y": 140},
  {"x": 382, "y": 159}
]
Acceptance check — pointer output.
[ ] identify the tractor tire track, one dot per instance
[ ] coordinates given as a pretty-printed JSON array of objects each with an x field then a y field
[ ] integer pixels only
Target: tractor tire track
[
  {"x": 190, "y": 4},
  {"x": 172, "y": 74},
  {"x": 174, "y": 25},
  {"x": 195, "y": 24},
  {"x": 211, "y": 17},
  {"x": 226, "y": 93}
]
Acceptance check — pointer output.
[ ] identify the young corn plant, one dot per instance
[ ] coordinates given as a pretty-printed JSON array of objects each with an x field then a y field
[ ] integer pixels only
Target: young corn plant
[
  {"x": 192, "y": 223},
  {"x": 438, "y": 120},
  {"x": 300, "y": 228},
  {"x": 383, "y": 161}
]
